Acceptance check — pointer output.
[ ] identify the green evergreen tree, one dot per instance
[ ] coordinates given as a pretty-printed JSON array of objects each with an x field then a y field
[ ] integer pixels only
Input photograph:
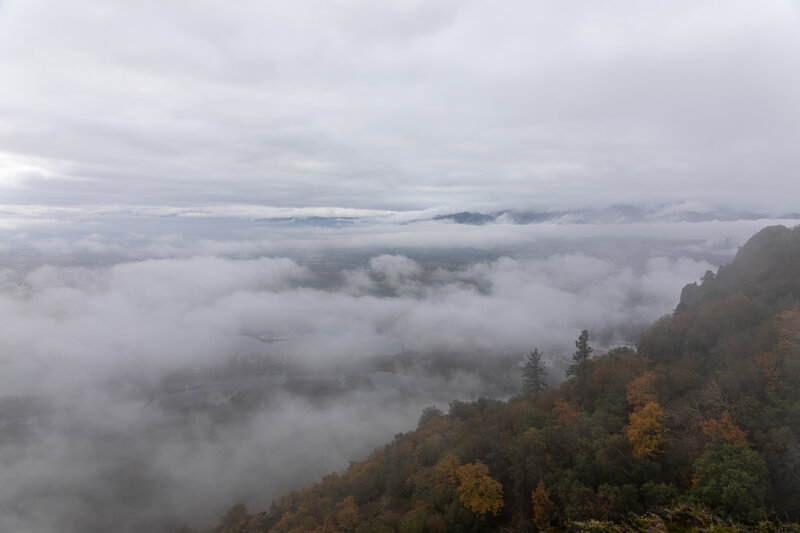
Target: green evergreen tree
[
  {"x": 579, "y": 366},
  {"x": 534, "y": 374}
]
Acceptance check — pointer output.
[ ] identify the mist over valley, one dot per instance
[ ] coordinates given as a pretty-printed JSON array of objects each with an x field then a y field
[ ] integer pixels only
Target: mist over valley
[{"x": 141, "y": 390}]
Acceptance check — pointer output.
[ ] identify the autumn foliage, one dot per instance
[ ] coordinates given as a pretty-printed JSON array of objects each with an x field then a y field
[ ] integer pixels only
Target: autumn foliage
[
  {"x": 724, "y": 428},
  {"x": 647, "y": 432},
  {"x": 640, "y": 391},
  {"x": 478, "y": 491},
  {"x": 566, "y": 413},
  {"x": 543, "y": 506}
]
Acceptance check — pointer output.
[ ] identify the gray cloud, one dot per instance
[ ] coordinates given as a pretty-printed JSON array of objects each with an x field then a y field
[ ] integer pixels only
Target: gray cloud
[
  {"x": 399, "y": 105},
  {"x": 135, "y": 395}
]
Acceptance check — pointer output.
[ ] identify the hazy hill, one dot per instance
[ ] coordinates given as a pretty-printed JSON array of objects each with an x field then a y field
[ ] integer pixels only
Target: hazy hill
[{"x": 706, "y": 412}]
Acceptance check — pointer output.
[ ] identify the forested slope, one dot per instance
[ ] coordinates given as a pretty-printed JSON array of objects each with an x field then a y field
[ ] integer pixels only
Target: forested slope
[{"x": 706, "y": 412}]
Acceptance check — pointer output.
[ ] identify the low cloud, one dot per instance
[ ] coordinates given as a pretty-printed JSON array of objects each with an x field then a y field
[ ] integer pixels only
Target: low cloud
[{"x": 142, "y": 394}]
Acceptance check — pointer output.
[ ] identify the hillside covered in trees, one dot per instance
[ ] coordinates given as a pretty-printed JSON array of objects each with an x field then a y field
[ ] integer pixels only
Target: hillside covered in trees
[{"x": 706, "y": 413}]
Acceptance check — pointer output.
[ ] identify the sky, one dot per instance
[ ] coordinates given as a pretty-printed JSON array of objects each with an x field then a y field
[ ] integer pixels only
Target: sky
[{"x": 399, "y": 105}]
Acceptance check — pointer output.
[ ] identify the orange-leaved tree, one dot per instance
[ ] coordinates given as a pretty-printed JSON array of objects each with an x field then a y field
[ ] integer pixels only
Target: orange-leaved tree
[
  {"x": 724, "y": 427},
  {"x": 543, "y": 506},
  {"x": 566, "y": 413},
  {"x": 640, "y": 391}
]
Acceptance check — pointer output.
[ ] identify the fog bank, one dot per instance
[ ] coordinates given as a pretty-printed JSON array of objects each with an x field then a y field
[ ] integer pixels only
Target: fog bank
[{"x": 140, "y": 393}]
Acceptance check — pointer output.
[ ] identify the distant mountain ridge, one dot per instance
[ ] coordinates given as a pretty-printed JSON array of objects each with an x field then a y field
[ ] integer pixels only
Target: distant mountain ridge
[
  {"x": 466, "y": 217},
  {"x": 613, "y": 214}
]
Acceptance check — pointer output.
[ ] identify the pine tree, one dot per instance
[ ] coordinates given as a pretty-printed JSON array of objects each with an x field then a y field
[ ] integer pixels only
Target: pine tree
[
  {"x": 534, "y": 374},
  {"x": 579, "y": 366}
]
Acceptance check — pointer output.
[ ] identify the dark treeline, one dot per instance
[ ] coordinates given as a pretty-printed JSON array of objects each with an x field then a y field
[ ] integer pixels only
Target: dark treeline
[{"x": 705, "y": 413}]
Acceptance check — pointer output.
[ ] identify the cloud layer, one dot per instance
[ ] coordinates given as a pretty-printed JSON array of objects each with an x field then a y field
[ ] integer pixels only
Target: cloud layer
[
  {"x": 142, "y": 394},
  {"x": 402, "y": 105}
]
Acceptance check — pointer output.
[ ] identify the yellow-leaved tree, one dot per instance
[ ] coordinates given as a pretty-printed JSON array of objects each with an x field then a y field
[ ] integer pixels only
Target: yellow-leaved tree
[
  {"x": 446, "y": 471},
  {"x": 647, "y": 432},
  {"x": 478, "y": 491}
]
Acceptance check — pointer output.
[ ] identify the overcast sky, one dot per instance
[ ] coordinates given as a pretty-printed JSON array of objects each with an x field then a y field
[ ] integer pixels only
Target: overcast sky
[
  {"x": 399, "y": 105},
  {"x": 142, "y": 143}
]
